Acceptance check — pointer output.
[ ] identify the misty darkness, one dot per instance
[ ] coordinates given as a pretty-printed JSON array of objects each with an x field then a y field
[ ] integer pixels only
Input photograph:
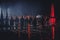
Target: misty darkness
[
  {"x": 26, "y": 7},
  {"x": 30, "y": 7}
]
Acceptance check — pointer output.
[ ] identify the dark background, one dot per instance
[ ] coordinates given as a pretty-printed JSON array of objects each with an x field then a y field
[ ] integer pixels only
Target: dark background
[
  {"x": 26, "y": 7},
  {"x": 43, "y": 6}
]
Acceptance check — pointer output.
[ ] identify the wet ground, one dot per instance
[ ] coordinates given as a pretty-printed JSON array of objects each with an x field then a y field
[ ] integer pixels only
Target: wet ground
[
  {"x": 23, "y": 36},
  {"x": 8, "y": 36}
]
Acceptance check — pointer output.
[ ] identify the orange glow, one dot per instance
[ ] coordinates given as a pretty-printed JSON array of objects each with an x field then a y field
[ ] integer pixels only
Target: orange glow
[
  {"x": 19, "y": 31},
  {"x": 53, "y": 29},
  {"x": 28, "y": 31}
]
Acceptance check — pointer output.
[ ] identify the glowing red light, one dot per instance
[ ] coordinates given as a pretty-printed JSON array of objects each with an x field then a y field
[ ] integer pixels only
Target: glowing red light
[
  {"x": 52, "y": 11},
  {"x": 52, "y": 21}
]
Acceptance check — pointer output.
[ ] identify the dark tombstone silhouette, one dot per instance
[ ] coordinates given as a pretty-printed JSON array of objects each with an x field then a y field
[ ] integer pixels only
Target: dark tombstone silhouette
[
  {"x": 23, "y": 33},
  {"x": 16, "y": 21},
  {"x": 6, "y": 21},
  {"x": 11, "y": 23},
  {"x": 25, "y": 23},
  {"x": 34, "y": 34},
  {"x": 7, "y": 35},
  {"x": 34, "y": 22},
  {"x": 21, "y": 23},
  {"x": 2, "y": 21},
  {"x": 26, "y": 26}
]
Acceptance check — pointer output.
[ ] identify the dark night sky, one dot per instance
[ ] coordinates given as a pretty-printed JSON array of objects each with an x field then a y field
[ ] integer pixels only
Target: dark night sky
[
  {"x": 31, "y": 7},
  {"x": 57, "y": 9}
]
